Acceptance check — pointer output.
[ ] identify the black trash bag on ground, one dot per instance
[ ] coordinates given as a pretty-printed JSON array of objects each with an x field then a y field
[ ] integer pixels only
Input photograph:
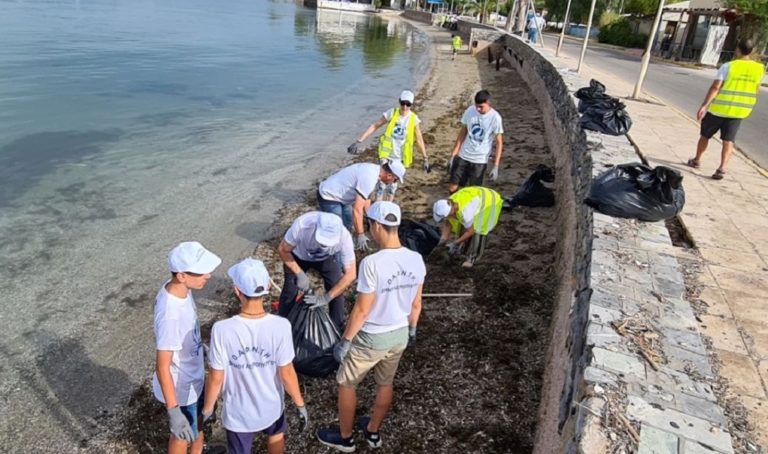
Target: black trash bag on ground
[
  {"x": 613, "y": 120},
  {"x": 638, "y": 192},
  {"x": 314, "y": 335},
  {"x": 593, "y": 95},
  {"x": 536, "y": 191},
  {"x": 418, "y": 236}
]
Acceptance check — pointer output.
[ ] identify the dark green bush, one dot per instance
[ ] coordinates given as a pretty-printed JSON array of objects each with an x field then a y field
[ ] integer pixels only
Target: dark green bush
[{"x": 620, "y": 33}]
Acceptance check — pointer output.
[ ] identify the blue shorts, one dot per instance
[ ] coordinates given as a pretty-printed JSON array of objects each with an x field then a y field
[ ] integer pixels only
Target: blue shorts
[
  {"x": 194, "y": 414},
  {"x": 242, "y": 442}
]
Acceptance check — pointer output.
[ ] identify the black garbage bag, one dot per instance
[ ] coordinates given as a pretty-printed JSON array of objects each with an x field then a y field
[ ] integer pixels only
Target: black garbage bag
[
  {"x": 536, "y": 191},
  {"x": 610, "y": 119},
  {"x": 637, "y": 191},
  {"x": 595, "y": 90},
  {"x": 418, "y": 236},
  {"x": 593, "y": 96},
  {"x": 314, "y": 335}
]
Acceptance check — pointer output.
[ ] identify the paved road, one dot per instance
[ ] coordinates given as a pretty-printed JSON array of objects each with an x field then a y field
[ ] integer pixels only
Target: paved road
[{"x": 684, "y": 88}]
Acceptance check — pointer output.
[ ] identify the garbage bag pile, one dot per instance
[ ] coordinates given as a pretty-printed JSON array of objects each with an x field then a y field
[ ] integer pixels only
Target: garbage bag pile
[
  {"x": 601, "y": 112},
  {"x": 418, "y": 236},
  {"x": 314, "y": 335},
  {"x": 536, "y": 191},
  {"x": 637, "y": 191}
]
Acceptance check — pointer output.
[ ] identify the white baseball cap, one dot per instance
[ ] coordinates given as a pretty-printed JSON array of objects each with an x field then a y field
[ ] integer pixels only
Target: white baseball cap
[
  {"x": 441, "y": 209},
  {"x": 397, "y": 168},
  {"x": 192, "y": 257},
  {"x": 328, "y": 229},
  {"x": 386, "y": 213},
  {"x": 251, "y": 277},
  {"x": 407, "y": 95}
]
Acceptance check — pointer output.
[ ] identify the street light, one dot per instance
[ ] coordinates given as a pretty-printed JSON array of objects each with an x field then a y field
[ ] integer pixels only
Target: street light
[
  {"x": 562, "y": 32},
  {"x": 586, "y": 37},
  {"x": 647, "y": 54}
]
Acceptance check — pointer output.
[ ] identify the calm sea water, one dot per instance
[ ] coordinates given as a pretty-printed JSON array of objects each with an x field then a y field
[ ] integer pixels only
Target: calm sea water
[{"x": 127, "y": 126}]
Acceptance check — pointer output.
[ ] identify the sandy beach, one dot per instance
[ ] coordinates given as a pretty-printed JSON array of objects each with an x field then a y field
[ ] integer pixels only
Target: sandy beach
[{"x": 472, "y": 381}]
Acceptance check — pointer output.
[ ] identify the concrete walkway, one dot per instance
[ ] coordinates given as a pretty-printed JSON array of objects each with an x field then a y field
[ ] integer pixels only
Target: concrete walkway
[{"x": 728, "y": 221}]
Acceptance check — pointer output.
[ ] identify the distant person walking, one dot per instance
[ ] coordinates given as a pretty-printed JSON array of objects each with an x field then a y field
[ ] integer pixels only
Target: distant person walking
[
  {"x": 455, "y": 45},
  {"x": 347, "y": 193},
  {"x": 535, "y": 25},
  {"x": 251, "y": 363},
  {"x": 729, "y": 100},
  {"x": 403, "y": 130},
  {"x": 179, "y": 370},
  {"x": 469, "y": 214},
  {"x": 313, "y": 242},
  {"x": 382, "y": 324},
  {"x": 481, "y": 128}
]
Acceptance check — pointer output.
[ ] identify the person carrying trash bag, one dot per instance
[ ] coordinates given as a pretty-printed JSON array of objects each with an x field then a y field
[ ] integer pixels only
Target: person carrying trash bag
[
  {"x": 381, "y": 326},
  {"x": 348, "y": 192},
  {"x": 251, "y": 363},
  {"x": 312, "y": 243},
  {"x": 469, "y": 213}
]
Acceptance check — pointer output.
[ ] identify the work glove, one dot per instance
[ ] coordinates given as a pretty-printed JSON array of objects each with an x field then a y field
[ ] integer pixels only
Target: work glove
[
  {"x": 454, "y": 248},
  {"x": 341, "y": 349},
  {"x": 361, "y": 244},
  {"x": 411, "y": 335},
  {"x": 301, "y": 412},
  {"x": 427, "y": 167},
  {"x": 208, "y": 420},
  {"x": 179, "y": 425},
  {"x": 317, "y": 301},
  {"x": 352, "y": 149},
  {"x": 494, "y": 173},
  {"x": 450, "y": 164},
  {"x": 302, "y": 282}
]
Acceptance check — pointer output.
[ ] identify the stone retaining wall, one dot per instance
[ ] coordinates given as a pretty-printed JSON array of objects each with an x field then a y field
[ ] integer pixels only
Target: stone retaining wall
[{"x": 419, "y": 16}]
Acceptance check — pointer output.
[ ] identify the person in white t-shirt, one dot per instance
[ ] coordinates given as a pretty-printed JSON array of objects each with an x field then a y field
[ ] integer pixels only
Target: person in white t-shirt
[
  {"x": 403, "y": 129},
  {"x": 382, "y": 324},
  {"x": 251, "y": 361},
  {"x": 313, "y": 242},
  {"x": 348, "y": 192},
  {"x": 481, "y": 128},
  {"x": 179, "y": 369}
]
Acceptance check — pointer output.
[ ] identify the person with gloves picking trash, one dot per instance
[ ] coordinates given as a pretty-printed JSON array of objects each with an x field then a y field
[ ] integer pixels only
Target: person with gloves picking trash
[
  {"x": 313, "y": 242},
  {"x": 380, "y": 327},
  {"x": 481, "y": 128},
  {"x": 348, "y": 192},
  {"x": 470, "y": 214},
  {"x": 251, "y": 365}
]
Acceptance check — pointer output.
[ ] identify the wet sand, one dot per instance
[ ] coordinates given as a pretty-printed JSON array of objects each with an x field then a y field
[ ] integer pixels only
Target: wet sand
[{"x": 472, "y": 382}]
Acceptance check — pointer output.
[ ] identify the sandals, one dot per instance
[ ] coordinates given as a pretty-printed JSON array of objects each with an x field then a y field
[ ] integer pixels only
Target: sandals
[
  {"x": 718, "y": 175},
  {"x": 693, "y": 163}
]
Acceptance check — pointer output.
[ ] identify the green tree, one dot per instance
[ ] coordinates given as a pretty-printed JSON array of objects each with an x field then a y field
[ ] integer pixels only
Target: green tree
[
  {"x": 641, "y": 8},
  {"x": 755, "y": 21},
  {"x": 579, "y": 10}
]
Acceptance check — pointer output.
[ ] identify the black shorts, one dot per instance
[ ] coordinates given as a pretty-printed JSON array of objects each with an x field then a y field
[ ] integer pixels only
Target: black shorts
[
  {"x": 465, "y": 173},
  {"x": 728, "y": 127}
]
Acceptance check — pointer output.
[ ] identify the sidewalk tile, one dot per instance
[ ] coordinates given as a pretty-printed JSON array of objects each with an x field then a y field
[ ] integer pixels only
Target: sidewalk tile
[
  {"x": 715, "y": 301},
  {"x": 728, "y": 279},
  {"x": 762, "y": 368},
  {"x": 757, "y": 414},
  {"x": 741, "y": 374},
  {"x": 655, "y": 441},
  {"x": 742, "y": 261},
  {"x": 723, "y": 333},
  {"x": 757, "y": 336},
  {"x": 746, "y": 306}
]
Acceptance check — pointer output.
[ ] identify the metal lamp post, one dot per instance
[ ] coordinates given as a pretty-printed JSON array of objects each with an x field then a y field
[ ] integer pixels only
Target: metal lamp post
[
  {"x": 647, "y": 54},
  {"x": 562, "y": 32},
  {"x": 586, "y": 37}
]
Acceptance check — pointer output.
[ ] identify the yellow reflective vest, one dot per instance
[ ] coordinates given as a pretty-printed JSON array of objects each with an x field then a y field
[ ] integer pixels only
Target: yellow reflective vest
[
  {"x": 486, "y": 217},
  {"x": 456, "y": 42},
  {"x": 386, "y": 142},
  {"x": 738, "y": 95}
]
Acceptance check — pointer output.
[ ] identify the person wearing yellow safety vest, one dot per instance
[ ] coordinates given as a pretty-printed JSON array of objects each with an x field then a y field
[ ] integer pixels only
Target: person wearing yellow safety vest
[
  {"x": 455, "y": 45},
  {"x": 397, "y": 141},
  {"x": 469, "y": 213},
  {"x": 729, "y": 100}
]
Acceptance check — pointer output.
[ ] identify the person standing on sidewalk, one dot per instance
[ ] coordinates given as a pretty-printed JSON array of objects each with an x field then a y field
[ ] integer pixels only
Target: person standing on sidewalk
[
  {"x": 455, "y": 45},
  {"x": 312, "y": 243},
  {"x": 469, "y": 214},
  {"x": 729, "y": 100},
  {"x": 535, "y": 25},
  {"x": 251, "y": 361},
  {"x": 481, "y": 127},
  {"x": 382, "y": 324},
  {"x": 179, "y": 369},
  {"x": 347, "y": 193},
  {"x": 403, "y": 129}
]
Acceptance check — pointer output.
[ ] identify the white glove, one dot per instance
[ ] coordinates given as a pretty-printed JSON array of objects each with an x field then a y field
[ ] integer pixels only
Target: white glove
[
  {"x": 361, "y": 243},
  {"x": 316, "y": 301},
  {"x": 494, "y": 173},
  {"x": 453, "y": 248}
]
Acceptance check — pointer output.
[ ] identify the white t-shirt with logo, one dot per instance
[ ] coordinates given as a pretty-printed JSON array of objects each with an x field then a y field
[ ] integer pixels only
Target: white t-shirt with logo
[
  {"x": 394, "y": 276},
  {"x": 469, "y": 212},
  {"x": 249, "y": 351},
  {"x": 301, "y": 235},
  {"x": 178, "y": 330},
  {"x": 398, "y": 133},
  {"x": 481, "y": 134},
  {"x": 350, "y": 181}
]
